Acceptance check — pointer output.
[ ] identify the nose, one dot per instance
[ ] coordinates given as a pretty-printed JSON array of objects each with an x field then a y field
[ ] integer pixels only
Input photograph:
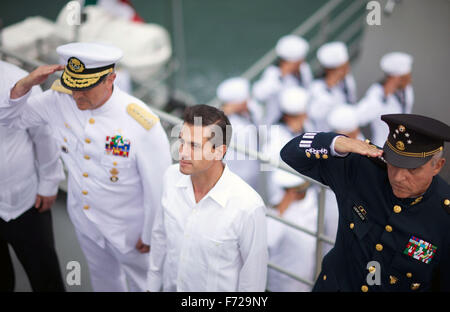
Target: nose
[
  {"x": 183, "y": 150},
  {"x": 398, "y": 174}
]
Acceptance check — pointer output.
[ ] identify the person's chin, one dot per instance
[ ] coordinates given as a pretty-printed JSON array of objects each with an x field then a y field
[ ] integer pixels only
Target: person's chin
[
  {"x": 185, "y": 168},
  {"x": 82, "y": 107},
  {"x": 400, "y": 193}
]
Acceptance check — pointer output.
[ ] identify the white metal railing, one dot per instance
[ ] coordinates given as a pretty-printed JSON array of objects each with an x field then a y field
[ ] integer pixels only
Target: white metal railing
[{"x": 323, "y": 14}]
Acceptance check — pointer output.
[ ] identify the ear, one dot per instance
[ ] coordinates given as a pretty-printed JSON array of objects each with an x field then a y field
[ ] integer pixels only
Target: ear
[
  {"x": 438, "y": 166},
  {"x": 111, "y": 77},
  {"x": 220, "y": 152}
]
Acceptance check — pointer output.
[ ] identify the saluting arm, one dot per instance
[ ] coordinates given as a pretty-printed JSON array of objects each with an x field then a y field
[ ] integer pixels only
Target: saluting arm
[
  {"x": 322, "y": 156},
  {"x": 24, "y": 109}
]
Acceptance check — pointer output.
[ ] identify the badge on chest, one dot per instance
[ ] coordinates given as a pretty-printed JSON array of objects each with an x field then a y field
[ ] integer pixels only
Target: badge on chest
[
  {"x": 420, "y": 249},
  {"x": 117, "y": 145}
]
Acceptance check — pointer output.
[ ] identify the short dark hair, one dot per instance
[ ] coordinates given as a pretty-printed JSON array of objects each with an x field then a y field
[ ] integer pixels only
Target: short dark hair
[{"x": 210, "y": 116}]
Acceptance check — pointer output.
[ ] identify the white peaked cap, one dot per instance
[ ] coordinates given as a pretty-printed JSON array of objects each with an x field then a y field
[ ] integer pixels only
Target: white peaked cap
[
  {"x": 332, "y": 54},
  {"x": 293, "y": 100},
  {"x": 287, "y": 180},
  {"x": 343, "y": 118},
  {"x": 292, "y": 48},
  {"x": 93, "y": 55},
  {"x": 235, "y": 89},
  {"x": 396, "y": 63}
]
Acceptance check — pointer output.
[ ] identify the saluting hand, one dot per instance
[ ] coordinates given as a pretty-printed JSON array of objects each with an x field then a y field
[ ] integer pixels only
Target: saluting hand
[
  {"x": 36, "y": 77},
  {"x": 344, "y": 145}
]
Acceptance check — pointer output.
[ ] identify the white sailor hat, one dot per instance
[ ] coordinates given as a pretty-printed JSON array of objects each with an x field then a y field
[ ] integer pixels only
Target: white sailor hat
[
  {"x": 396, "y": 63},
  {"x": 292, "y": 48},
  {"x": 285, "y": 179},
  {"x": 332, "y": 54},
  {"x": 343, "y": 118},
  {"x": 86, "y": 63},
  {"x": 293, "y": 100},
  {"x": 234, "y": 90}
]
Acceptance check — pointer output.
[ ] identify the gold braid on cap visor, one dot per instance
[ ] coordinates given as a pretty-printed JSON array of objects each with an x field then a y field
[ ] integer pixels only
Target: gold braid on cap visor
[
  {"x": 422, "y": 155},
  {"x": 83, "y": 81}
]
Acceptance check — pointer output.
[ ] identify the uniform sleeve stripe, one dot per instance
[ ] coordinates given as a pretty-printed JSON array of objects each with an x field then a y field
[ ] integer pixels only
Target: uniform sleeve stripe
[
  {"x": 305, "y": 145},
  {"x": 305, "y": 142},
  {"x": 308, "y": 136}
]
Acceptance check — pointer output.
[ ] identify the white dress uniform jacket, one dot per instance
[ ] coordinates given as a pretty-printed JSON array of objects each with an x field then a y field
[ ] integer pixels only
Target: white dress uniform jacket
[
  {"x": 30, "y": 158},
  {"x": 245, "y": 134},
  {"x": 324, "y": 99},
  {"x": 109, "y": 196},
  {"x": 217, "y": 244},
  {"x": 271, "y": 83},
  {"x": 291, "y": 249},
  {"x": 375, "y": 103}
]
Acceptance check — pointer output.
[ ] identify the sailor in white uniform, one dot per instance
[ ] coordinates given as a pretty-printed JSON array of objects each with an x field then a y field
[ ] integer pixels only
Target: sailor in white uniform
[
  {"x": 337, "y": 86},
  {"x": 245, "y": 115},
  {"x": 291, "y": 70},
  {"x": 393, "y": 95},
  {"x": 342, "y": 119},
  {"x": 115, "y": 150},
  {"x": 293, "y": 103},
  {"x": 289, "y": 248}
]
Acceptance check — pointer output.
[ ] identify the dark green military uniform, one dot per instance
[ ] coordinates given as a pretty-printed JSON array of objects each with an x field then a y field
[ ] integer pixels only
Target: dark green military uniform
[{"x": 409, "y": 238}]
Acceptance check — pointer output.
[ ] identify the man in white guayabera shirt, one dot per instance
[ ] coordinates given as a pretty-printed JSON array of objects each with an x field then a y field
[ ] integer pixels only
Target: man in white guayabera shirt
[
  {"x": 210, "y": 234},
  {"x": 30, "y": 172}
]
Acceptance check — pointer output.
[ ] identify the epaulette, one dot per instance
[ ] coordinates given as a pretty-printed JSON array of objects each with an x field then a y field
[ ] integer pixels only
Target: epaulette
[
  {"x": 142, "y": 116},
  {"x": 57, "y": 86}
]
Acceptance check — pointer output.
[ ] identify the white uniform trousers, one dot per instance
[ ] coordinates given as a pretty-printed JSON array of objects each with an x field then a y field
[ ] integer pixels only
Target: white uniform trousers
[{"x": 111, "y": 270}]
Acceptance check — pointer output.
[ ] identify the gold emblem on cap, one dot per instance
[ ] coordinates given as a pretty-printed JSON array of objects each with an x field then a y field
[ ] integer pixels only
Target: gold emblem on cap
[
  {"x": 75, "y": 65},
  {"x": 447, "y": 202},
  {"x": 401, "y": 128},
  {"x": 400, "y": 145}
]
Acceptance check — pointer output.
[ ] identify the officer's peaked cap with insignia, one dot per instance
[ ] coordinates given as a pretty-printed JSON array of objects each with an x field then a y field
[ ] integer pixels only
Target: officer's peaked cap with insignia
[
  {"x": 87, "y": 64},
  {"x": 413, "y": 139}
]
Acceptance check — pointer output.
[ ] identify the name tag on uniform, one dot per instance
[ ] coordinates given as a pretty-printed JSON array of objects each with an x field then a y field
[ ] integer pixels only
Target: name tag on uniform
[
  {"x": 117, "y": 145},
  {"x": 361, "y": 212},
  {"x": 420, "y": 250}
]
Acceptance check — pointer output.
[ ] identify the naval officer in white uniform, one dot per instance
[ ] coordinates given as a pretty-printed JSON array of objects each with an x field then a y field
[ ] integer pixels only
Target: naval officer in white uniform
[
  {"x": 291, "y": 70},
  {"x": 337, "y": 86},
  {"x": 245, "y": 115},
  {"x": 393, "y": 95},
  {"x": 115, "y": 150}
]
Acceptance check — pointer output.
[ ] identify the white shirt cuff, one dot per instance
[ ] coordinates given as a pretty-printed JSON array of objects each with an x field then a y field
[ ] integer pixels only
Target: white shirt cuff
[{"x": 333, "y": 151}]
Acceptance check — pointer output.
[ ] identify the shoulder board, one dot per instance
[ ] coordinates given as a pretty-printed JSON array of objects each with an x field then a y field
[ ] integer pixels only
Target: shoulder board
[
  {"x": 57, "y": 86},
  {"x": 142, "y": 116}
]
